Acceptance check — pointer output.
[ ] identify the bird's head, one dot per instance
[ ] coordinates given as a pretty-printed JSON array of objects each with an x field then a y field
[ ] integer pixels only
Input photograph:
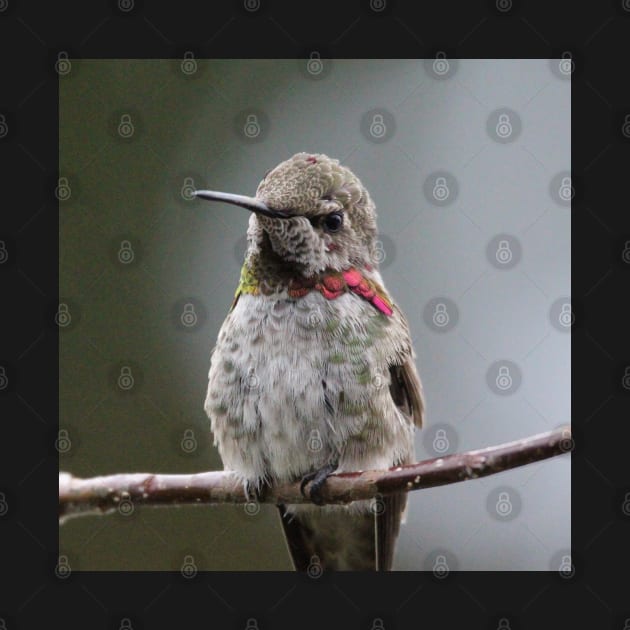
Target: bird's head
[{"x": 311, "y": 212}]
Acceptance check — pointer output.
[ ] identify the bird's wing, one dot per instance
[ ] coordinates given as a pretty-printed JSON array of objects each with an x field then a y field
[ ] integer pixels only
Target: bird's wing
[{"x": 406, "y": 391}]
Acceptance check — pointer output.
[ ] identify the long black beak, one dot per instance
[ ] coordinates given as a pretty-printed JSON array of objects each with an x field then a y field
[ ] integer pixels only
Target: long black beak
[{"x": 250, "y": 203}]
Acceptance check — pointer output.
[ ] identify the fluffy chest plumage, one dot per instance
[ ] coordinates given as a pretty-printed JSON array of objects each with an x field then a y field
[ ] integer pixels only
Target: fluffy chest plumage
[{"x": 296, "y": 383}]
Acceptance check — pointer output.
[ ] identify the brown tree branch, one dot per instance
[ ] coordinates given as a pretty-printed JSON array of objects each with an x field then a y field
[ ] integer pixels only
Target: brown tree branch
[{"x": 122, "y": 492}]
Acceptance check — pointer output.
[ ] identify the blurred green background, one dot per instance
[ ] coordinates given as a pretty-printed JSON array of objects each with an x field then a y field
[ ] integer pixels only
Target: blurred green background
[{"x": 137, "y": 253}]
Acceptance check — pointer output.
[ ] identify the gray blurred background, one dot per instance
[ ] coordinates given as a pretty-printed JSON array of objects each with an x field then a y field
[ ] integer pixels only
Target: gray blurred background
[{"x": 468, "y": 162}]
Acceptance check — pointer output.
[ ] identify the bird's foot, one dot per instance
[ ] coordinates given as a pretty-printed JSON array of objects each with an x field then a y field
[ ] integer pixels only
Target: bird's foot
[
  {"x": 318, "y": 479},
  {"x": 255, "y": 490}
]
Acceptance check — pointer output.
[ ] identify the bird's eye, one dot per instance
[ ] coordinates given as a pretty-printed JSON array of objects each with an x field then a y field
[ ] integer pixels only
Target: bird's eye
[{"x": 333, "y": 222}]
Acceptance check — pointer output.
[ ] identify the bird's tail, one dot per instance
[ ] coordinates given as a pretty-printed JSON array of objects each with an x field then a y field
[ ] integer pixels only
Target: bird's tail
[{"x": 343, "y": 539}]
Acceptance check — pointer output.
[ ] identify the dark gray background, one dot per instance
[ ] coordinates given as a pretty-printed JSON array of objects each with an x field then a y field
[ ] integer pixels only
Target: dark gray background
[{"x": 125, "y": 188}]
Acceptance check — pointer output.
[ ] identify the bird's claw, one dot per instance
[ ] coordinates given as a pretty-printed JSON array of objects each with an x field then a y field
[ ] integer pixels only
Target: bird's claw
[{"x": 318, "y": 479}]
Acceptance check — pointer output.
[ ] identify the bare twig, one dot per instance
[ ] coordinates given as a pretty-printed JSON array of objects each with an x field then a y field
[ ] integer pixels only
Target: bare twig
[{"x": 122, "y": 492}]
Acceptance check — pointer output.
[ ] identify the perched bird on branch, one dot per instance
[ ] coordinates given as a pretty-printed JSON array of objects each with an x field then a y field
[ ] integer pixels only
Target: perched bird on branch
[{"x": 313, "y": 371}]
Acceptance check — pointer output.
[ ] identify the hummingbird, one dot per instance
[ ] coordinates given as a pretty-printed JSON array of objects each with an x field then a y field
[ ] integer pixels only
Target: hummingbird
[{"x": 313, "y": 371}]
